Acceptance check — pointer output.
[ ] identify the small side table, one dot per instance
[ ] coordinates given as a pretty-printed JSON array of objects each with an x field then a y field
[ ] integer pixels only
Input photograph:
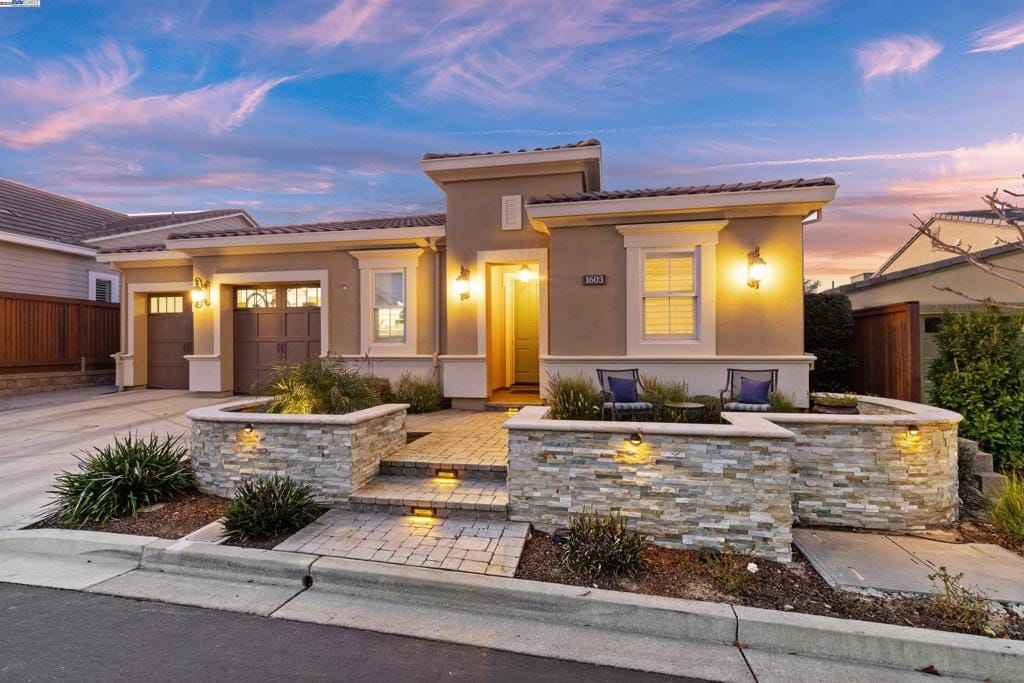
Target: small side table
[{"x": 684, "y": 408}]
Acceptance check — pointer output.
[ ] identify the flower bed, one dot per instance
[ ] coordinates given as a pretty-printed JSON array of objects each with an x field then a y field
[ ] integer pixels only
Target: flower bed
[{"x": 335, "y": 454}]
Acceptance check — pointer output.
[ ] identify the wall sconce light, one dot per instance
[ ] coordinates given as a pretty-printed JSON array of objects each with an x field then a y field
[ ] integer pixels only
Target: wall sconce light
[
  {"x": 636, "y": 439},
  {"x": 248, "y": 428},
  {"x": 462, "y": 284},
  {"x": 200, "y": 293},
  {"x": 756, "y": 268},
  {"x": 913, "y": 432},
  {"x": 525, "y": 274}
]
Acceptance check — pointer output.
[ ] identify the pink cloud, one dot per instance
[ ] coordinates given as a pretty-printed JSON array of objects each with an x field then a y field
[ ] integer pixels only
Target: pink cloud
[
  {"x": 896, "y": 55},
  {"x": 999, "y": 37}
]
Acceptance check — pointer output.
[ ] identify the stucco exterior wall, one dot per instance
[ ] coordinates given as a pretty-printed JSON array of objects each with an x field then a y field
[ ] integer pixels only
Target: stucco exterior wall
[{"x": 976, "y": 235}]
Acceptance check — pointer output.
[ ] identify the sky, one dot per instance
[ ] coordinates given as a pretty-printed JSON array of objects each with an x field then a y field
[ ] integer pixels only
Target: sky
[{"x": 320, "y": 110}]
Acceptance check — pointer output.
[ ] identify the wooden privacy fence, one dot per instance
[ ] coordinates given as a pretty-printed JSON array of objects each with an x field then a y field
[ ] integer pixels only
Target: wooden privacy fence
[
  {"x": 42, "y": 333},
  {"x": 887, "y": 343}
]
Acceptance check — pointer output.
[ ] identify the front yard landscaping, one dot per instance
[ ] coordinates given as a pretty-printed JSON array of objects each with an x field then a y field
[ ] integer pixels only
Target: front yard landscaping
[{"x": 172, "y": 519}]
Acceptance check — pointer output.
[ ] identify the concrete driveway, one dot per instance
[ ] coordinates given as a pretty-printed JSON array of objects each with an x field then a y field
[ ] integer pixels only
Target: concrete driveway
[{"x": 40, "y": 434}]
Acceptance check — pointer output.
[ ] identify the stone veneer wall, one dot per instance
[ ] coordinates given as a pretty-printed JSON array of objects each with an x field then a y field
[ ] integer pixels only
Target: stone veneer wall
[
  {"x": 39, "y": 382},
  {"x": 335, "y": 459},
  {"x": 874, "y": 476},
  {"x": 684, "y": 491}
]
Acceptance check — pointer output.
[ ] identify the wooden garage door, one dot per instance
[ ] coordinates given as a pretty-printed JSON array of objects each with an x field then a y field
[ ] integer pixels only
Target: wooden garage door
[
  {"x": 168, "y": 341},
  {"x": 274, "y": 325}
]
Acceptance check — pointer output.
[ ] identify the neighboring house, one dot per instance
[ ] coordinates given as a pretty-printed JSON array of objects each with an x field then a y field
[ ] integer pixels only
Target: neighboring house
[
  {"x": 532, "y": 270},
  {"x": 898, "y": 308}
]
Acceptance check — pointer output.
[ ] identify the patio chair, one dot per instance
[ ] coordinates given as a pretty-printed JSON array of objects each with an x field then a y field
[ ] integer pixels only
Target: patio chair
[
  {"x": 735, "y": 399},
  {"x": 624, "y": 395}
]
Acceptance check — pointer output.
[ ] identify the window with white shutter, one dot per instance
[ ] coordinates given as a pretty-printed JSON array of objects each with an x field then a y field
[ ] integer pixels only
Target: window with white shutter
[{"x": 512, "y": 212}]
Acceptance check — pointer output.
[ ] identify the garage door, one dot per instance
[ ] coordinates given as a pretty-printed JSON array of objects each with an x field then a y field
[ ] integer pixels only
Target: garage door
[
  {"x": 168, "y": 341},
  {"x": 274, "y": 325}
]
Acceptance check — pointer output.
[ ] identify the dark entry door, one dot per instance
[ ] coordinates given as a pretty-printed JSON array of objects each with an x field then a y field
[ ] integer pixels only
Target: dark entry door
[
  {"x": 168, "y": 341},
  {"x": 274, "y": 325}
]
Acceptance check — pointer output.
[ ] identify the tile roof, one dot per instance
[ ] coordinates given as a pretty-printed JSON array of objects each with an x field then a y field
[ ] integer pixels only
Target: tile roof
[
  {"x": 981, "y": 215},
  {"x": 592, "y": 142},
  {"x": 926, "y": 268},
  {"x": 159, "y": 220},
  {"x": 417, "y": 221},
  {"x": 33, "y": 212},
  {"x": 135, "y": 249},
  {"x": 689, "y": 189}
]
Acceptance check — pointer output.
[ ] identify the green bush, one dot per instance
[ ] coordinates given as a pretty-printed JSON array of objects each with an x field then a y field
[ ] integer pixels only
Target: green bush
[
  {"x": 598, "y": 547},
  {"x": 267, "y": 507},
  {"x": 318, "y": 386},
  {"x": 828, "y": 326},
  {"x": 573, "y": 398},
  {"x": 382, "y": 385},
  {"x": 424, "y": 395},
  {"x": 659, "y": 392},
  {"x": 1008, "y": 509},
  {"x": 782, "y": 402},
  {"x": 712, "y": 407},
  {"x": 965, "y": 452},
  {"x": 118, "y": 480},
  {"x": 979, "y": 373}
]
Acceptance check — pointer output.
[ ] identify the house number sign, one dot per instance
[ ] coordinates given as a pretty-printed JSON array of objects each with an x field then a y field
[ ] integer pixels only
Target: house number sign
[{"x": 593, "y": 280}]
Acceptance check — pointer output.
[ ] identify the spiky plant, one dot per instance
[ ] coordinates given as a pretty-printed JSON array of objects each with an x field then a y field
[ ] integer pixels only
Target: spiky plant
[
  {"x": 573, "y": 398},
  {"x": 424, "y": 395},
  {"x": 598, "y": 547},
  {"x": 318, "y": 386},
  {"x": 267, "y": 507}
]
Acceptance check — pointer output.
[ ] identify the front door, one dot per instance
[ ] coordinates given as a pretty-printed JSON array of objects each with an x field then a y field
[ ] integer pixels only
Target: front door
[
  {"x": 274, "y": 325},
  {"x": 168, "y": 340},
  {"x": 526, "y": 332}
]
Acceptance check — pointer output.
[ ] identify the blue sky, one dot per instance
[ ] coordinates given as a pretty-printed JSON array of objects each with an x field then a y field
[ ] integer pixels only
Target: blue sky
[{"x": 318, "y": 110}]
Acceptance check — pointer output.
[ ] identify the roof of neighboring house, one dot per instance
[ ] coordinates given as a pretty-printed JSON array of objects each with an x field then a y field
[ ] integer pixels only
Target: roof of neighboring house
[
  {"x": 134, "y": 249},
  {"x": 416, "y": 221},
  {"x": 923, "y": 269},
  {"x": 160, "y": 220},
  {"x": 592, "y": 142},
  {"x": 32, "y": 212},
  {"x": 689, "y": 189}
]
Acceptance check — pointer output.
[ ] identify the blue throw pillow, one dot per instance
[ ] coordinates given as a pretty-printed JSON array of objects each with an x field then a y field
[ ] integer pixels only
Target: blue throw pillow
[
  {"x": 623, "y": 390},
  {"x": 754, "y": 391}
]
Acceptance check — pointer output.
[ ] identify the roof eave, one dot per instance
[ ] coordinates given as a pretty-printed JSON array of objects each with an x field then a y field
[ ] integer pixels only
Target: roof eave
[
  {"x": 330, "y": 237},
  {"x": 117, "y": 235},
  {"x": 448, "y": 169},
  {"x": 40, "y": 243}
]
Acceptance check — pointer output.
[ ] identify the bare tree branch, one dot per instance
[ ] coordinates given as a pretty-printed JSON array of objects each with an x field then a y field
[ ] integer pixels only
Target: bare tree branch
[{"x": 989, "y": 300}]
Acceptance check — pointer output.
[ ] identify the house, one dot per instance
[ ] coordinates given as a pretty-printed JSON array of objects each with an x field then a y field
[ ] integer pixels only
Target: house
[
  {"x": 898, "y": 308},
  {"x": 51, "y": 336},
  {"x": 533, "y": 269}
]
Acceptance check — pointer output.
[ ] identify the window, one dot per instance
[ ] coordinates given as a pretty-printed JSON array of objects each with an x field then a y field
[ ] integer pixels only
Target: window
[
  {"x": 256, "y": 297},
  {"x": 670, "y": 295},
  {"x": 167, "y": 304},
  {"x": 103, "y": 290},
  {"x": 389, "y": 306},
  {"x": 302, "y": 297}
]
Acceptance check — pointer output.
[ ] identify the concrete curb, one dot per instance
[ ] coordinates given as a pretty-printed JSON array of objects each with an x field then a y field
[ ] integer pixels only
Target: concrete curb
[
  {"x": 901, "y": 647},
  {"x": 546, "y": 602},
  {"x": 198, "y": 558},
  {"x": 70, "y": 542}
]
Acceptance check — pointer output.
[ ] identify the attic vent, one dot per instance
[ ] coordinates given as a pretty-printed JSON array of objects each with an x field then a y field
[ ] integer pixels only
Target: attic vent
[
  {"x": 104, "y": 290},
  {"x": 512, "y": 212}
]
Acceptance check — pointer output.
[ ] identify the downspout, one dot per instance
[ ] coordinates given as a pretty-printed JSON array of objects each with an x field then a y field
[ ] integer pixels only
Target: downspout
[
  {"x": 123, "y": 325},
  {"x": 437, "y": 310}
]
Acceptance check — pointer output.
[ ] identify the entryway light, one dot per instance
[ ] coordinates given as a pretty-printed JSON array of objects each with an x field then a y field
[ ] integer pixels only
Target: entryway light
[
  {"x": 200, "y": 293},
  {"x": 462, "y": 284},
  {"x": 525, "y": 274},
  {"x": 756, "y": 268},
  {"x": 635, "y": 439}
]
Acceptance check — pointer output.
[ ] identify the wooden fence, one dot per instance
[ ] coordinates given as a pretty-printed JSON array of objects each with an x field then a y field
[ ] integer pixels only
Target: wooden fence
[
  {"x": 42, "y": 333},
  {"x": 887, "y": 344}
]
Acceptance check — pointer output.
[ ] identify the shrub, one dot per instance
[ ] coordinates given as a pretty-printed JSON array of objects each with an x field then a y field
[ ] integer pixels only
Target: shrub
[
  {"x": 835, "y": 400},
  {"x": 979, "y": 373},
  {"x": 573, "y": 398},
  {"x": 598, "y": 547},
  {"x": 828, "y": 326},
  {"x": 318, "y": 386},
  {"x": 382, "y": 385},
  {"x": 1008, "y": 509},
  {"x": 659, "y": 392},
  {"x": 712, "y": 407},
  {"x": 117, "y": 480},
  {"x": 267, "y": 507},
  {"x": 424, "y": 395},
  {"x": 782, "y": 402},
  {"x": 966, "y": 450},
  {"x": 960, "y": 607},
  {"x": 730, "y": 571}
]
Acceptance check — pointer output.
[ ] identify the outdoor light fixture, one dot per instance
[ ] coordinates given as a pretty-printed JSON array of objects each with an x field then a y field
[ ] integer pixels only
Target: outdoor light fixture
[
  {"x": 447, "y": 474},
  {"x": 248, "y": 428},
  {"x": 423, "y": 512},
  {"x": 200, "y": 293},
  {"x": 636, "y": 439},
  {"x": 756, "y": 268},
  {"x": 525, "y": 274},
  {"x": 913, "y": 432},
  {"x": 462, "y": 284}
]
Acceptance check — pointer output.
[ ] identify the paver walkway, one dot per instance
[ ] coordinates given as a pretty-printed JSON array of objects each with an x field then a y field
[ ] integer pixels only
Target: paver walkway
[
  {"x": 455, "y": 439},
  {"x": 860, "y": 561},
  {"x": 468, "y": 545}
]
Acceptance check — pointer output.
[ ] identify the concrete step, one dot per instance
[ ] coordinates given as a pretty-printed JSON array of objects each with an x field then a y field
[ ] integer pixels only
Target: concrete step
[
  {"x": 424, "y": 467},
  {"x": 433, "y": 497}
]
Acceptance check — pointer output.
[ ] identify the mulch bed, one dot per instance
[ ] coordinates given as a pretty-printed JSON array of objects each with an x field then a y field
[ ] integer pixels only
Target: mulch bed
[
  {"x": 171, "y": 519},
  {"x": 690, "y": 574}
]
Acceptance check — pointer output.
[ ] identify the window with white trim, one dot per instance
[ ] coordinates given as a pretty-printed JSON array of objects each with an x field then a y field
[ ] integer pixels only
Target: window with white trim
[
  {"x": 389, "y": 306},
  {"x": 670, "y": 294}
]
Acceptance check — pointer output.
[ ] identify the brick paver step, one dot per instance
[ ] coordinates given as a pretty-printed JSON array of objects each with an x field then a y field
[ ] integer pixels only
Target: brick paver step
[{"x": 433, "y": 496}]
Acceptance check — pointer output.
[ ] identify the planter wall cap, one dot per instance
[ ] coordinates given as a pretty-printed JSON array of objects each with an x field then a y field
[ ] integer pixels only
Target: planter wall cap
[
  {"x": 902, "y": 647},
  {"x": 741, "y": 425},
  {"x": 229, "y": 412},
  {"x": 911, "y": 413},
  {"x": 71, "y": 542},
  {"x": 545, "y": 602},
  {"x": 196, "y": 558}
]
